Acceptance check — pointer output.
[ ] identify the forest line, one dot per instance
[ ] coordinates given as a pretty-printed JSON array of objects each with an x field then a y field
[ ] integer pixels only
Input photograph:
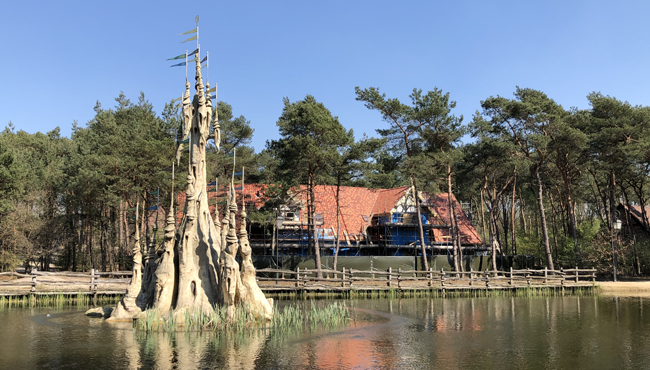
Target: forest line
[{"x": 542, "y": 180}]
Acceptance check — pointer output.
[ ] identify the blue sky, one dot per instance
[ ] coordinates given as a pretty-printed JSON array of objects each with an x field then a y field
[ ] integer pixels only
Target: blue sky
[{"x": 61, "y": 57}]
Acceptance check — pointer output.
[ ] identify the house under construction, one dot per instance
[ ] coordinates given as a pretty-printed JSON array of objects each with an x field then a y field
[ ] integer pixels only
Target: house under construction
[{"x": 379, "y": 222}]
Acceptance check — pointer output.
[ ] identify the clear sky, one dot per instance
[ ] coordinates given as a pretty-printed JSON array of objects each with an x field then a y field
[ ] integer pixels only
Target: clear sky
[{"x": 60, "y": 57}]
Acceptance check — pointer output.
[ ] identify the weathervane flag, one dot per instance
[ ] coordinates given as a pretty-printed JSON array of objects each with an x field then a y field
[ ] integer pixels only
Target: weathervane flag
[
  {"x": 189, "y": 32},
  {"x": 182, "y": 56}
]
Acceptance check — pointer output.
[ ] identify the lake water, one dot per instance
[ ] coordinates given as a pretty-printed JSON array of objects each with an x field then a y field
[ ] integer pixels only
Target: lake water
[{"x": 479, "y": 333}]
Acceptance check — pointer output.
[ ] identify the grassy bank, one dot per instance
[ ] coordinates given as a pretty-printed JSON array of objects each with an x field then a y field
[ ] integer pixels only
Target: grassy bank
[{"x": 57, "y": 300}]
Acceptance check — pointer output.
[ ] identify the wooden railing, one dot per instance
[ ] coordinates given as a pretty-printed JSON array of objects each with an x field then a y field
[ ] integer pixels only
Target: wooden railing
[
  {"x": 40, "y": 282},
  {"x": 84, "y": 279},
  {"x": 397, "y": 278}
]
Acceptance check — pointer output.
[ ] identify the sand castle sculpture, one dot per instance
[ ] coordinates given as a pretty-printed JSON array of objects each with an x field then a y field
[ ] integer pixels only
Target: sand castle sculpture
[{"x": 196, "y": 266}]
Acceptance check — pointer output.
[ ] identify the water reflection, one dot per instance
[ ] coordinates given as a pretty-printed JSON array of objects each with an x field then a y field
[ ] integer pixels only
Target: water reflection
[{"x": 487, "y": 333}]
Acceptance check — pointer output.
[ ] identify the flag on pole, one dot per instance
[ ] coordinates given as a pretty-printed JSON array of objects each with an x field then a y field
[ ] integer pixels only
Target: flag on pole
[
  {"x": 212, "y": 184},
  {"x": 190, "y": 39},
  {"x": 192, "y": 53},
  {"x": 204, "y": 59},
  {"x": 154, "y": 192},
  {"x": 182, "y": 56},
  {"x": 203, "y": 66},
  {"x": 212, "y": 90},
  {"x": 153, "y": 208},
  {"x": 238, "y": 173},
  {"x": 178, "y": 65},
  {"x": 177, "y": 99},
  {"x": 213, "y": 97},
  {"x": 238, "y": 188},
  {"x": 189, "y": 32}
]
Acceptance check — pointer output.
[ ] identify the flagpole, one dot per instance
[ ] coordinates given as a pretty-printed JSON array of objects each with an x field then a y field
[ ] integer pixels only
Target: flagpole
[
  {"x": 198, "y": 46},
  {"x": 185, "y": 67},
  {"x": 234, "y": 155},
  {"x": 207, "y": 68}
]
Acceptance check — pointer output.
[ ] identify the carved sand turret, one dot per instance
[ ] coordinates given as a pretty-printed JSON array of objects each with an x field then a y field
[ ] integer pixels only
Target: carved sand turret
[
  {"x": 196, "y": 267},
  {"x": 258, "y": 305},
  {"x": 127, "y": 308}
]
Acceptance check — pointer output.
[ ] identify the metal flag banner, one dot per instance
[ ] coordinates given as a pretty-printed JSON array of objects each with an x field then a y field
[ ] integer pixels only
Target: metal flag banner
[
  {"x": 191, "y": 31},
  {"x": 190, "y": 39},
  {"x": 192, "y": 53},
  {"x": 182, "y": 56},
  {"x": 178, "y": 65}
]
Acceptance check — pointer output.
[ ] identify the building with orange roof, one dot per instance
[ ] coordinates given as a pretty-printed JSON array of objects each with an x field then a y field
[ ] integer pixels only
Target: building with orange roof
[{"x": 372, "y": 221}]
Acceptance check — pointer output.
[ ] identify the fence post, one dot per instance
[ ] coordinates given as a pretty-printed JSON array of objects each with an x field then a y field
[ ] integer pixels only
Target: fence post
[
  {"x": 510, "y": 275},
  {"x": 545, "y": 275},
  {"x": 471, "y": 275},
  {"x": 297, "y": 277},
  {"x": 399, "y": 277},
  {"x": 351, "y": 280},
  {"x": 442, "y": 277},
  {"x": 92, "y": 280},
  {"x": 593, "y": 277},
  {"x": 33, "y": 288},
  {"x": 430, "y": 275},
  {"x": 390, "y": 276},
  {"x": 562, "y": 273},
  {"x": 576, "y": 274},
  {"x": 343, "y": 278},
  {"x": 372, "y": 268}
]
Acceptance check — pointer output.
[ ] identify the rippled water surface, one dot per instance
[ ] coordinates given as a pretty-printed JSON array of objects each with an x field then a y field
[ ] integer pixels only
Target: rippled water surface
[{"x": 481, "y": 333}]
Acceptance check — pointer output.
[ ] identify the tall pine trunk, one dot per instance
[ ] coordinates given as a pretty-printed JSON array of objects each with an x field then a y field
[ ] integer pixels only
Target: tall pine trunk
[
  {"x": 338, "y": 221},
  {"x": 311, "y": 225},
  {"x": 423, "y": 246},
  {"x": 542, "y": 217},
  {"x": 454, "y": 243}
]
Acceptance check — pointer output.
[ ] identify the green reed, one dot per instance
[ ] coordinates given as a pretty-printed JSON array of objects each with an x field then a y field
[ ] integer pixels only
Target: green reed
[{"x": 287, "y": 318}]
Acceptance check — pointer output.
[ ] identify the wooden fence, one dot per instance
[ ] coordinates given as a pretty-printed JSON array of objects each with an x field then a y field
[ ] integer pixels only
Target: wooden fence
[
  {"x": 94, "y": 282},
  {"x": 351, "y": 278}
]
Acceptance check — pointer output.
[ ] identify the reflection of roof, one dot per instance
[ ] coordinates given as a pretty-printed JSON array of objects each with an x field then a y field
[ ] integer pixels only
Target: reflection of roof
[{"x": 357, "y": 206}]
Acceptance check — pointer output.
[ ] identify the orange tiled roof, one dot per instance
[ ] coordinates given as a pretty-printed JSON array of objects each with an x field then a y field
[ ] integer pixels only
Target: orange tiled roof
[
  {"x": 439, "y": 205},
  {"x": 387, "y": 199}
]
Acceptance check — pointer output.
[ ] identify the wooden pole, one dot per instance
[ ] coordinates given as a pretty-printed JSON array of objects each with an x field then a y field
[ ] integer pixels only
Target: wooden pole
[
  {"x": 297, "y": 277},
  {"x": 399, "y": 277}
]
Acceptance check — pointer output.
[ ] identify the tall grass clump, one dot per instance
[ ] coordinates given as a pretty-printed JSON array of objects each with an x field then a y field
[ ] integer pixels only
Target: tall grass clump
[{"x": 288, "y": 318}]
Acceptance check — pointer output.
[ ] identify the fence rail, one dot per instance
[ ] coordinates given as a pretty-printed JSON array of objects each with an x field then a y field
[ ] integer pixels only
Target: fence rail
[{"x": 269, "y": 279}]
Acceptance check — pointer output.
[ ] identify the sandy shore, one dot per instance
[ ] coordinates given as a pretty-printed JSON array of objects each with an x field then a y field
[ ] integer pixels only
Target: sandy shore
[{"x": 625, "y": 288}]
